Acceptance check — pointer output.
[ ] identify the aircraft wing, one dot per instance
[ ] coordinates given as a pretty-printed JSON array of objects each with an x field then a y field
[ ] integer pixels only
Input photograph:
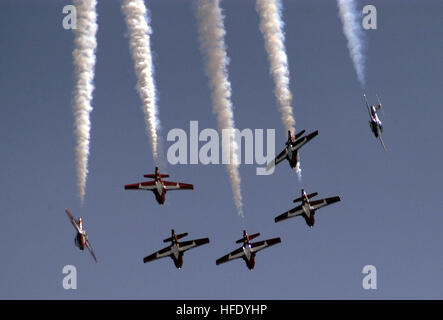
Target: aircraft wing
[
  {"x": 147, "y": 185},
  {"x": 231, "y": 256},
  {"x": 186, "y": 245},
  {"x": 69, "y": 214},
  {"x": 289, "y": 214},
  {"x": 169, "y": 185},
  {"x": 382, "y": 143},
  {"x": 303, "y": 140},
  {"x": 323, "y": 202},
  {"x": 88, "y": 244},
  {"x": 72, "y": 219},
  {"x": 367, "y": 106},
  {"x": 260, "y": 245},
  {"x": 165, "y": 252},
  {"x": 282, "y": 156}
]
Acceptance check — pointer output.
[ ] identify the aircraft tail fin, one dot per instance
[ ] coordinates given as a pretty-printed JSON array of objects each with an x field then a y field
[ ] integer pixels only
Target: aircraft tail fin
[
  {"x": 156, "y": 174},
  {"x": 153, "y": 176},
  {"x": 298, "y": 135},
  {"x": 179, "y": 236},
  {"x": 312, "y": 195},
  {"x": 252, "y": 236},
  {"x": 309, "y": 197},
  {"x": 289, "y": 138}
]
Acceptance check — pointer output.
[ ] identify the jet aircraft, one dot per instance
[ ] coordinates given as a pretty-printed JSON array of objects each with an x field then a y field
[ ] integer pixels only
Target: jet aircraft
[
  {"x": 176, "y": 249},
  {"x": 248, "y": 251},
  {"x": 159, "y": 186},
  {"x": 290, "y": 152},
  {"x": 81, "y": 239},
  {"x": 375, "y": 123},
  {"x": 307, "y": 208}
]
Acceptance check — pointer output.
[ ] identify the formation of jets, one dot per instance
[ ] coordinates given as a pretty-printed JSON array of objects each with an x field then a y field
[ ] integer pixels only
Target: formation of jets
[
  {"x": 176, "y": 249},
  {"x": 306, "y": 207}
]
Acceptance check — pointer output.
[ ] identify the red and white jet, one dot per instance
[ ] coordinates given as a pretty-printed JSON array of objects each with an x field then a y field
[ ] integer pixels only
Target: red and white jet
[
  {"x": 290, "y": 152},
  {"x": 307, "y": 208},
  {"x": 81, "y": 239},
  {"x": 158, "y": 185},
  {"x": 248, "y": 250},
  {"x": 176, "y": 249}
]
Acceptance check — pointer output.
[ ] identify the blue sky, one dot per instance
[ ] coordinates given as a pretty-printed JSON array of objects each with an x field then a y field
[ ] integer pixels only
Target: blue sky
[{"x": 390, "y": 215}]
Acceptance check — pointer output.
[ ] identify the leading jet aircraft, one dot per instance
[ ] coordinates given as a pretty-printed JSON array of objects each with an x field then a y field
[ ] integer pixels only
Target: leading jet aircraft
[
  {"x": 81, "y": 239},
  {"x": 248, "y": 250},
  {"x": 159, "y": 186},
  {"x": 375, "y": 123},
  {"x": 290, "y": 152},
  {"x": 176, "y": 249},
  {"x": 307, "y": 208}
]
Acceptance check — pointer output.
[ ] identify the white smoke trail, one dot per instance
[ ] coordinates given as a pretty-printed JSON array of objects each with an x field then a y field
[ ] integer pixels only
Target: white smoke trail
[
  {"x": 139, "y": 41},
  {"x": 298, "y": 169},
  {"x": 271, "y": 26},
  {"x": 352, "y": 30},
  {"x": 212, "y": 33},
  {"x": 84, "y": 62}
]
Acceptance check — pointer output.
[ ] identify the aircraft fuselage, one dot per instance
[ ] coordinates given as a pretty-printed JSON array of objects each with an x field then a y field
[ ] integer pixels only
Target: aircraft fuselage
[
  {"x": 292, "y": 157},
  {"x": 376, "y": 127},
  {"x": 80, "y": 240},
  {"x": 176, "y": 255},
  {"x": 249, "y": 256},
  {"x": 375, "y": 123},
  {"x": 160, "y": 191},
  {"x": 308, "y": 213}
]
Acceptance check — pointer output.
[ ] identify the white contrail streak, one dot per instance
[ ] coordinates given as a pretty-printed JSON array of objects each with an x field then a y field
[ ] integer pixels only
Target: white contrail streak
[
  {"x": 212, "y": 33},
  {"x": 139, "y": 41},
  {"x": 352, "y": 30},
  {"x": 271, "y": 26},
  {"x": 84, "y": 63}
]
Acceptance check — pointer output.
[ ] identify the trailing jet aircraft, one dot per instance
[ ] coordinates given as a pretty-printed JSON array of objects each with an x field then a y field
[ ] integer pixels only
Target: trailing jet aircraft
[
  {"x": 290, "y": 152},
  {"x": 375, "y": 123},
  {"x": 248, "y": 250},
  {"x": 307, "y": 208},
  {"x": 176, "y": 249},
  {"x": 159, "y": 186},
  {"x": 81, "y": 239}
]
